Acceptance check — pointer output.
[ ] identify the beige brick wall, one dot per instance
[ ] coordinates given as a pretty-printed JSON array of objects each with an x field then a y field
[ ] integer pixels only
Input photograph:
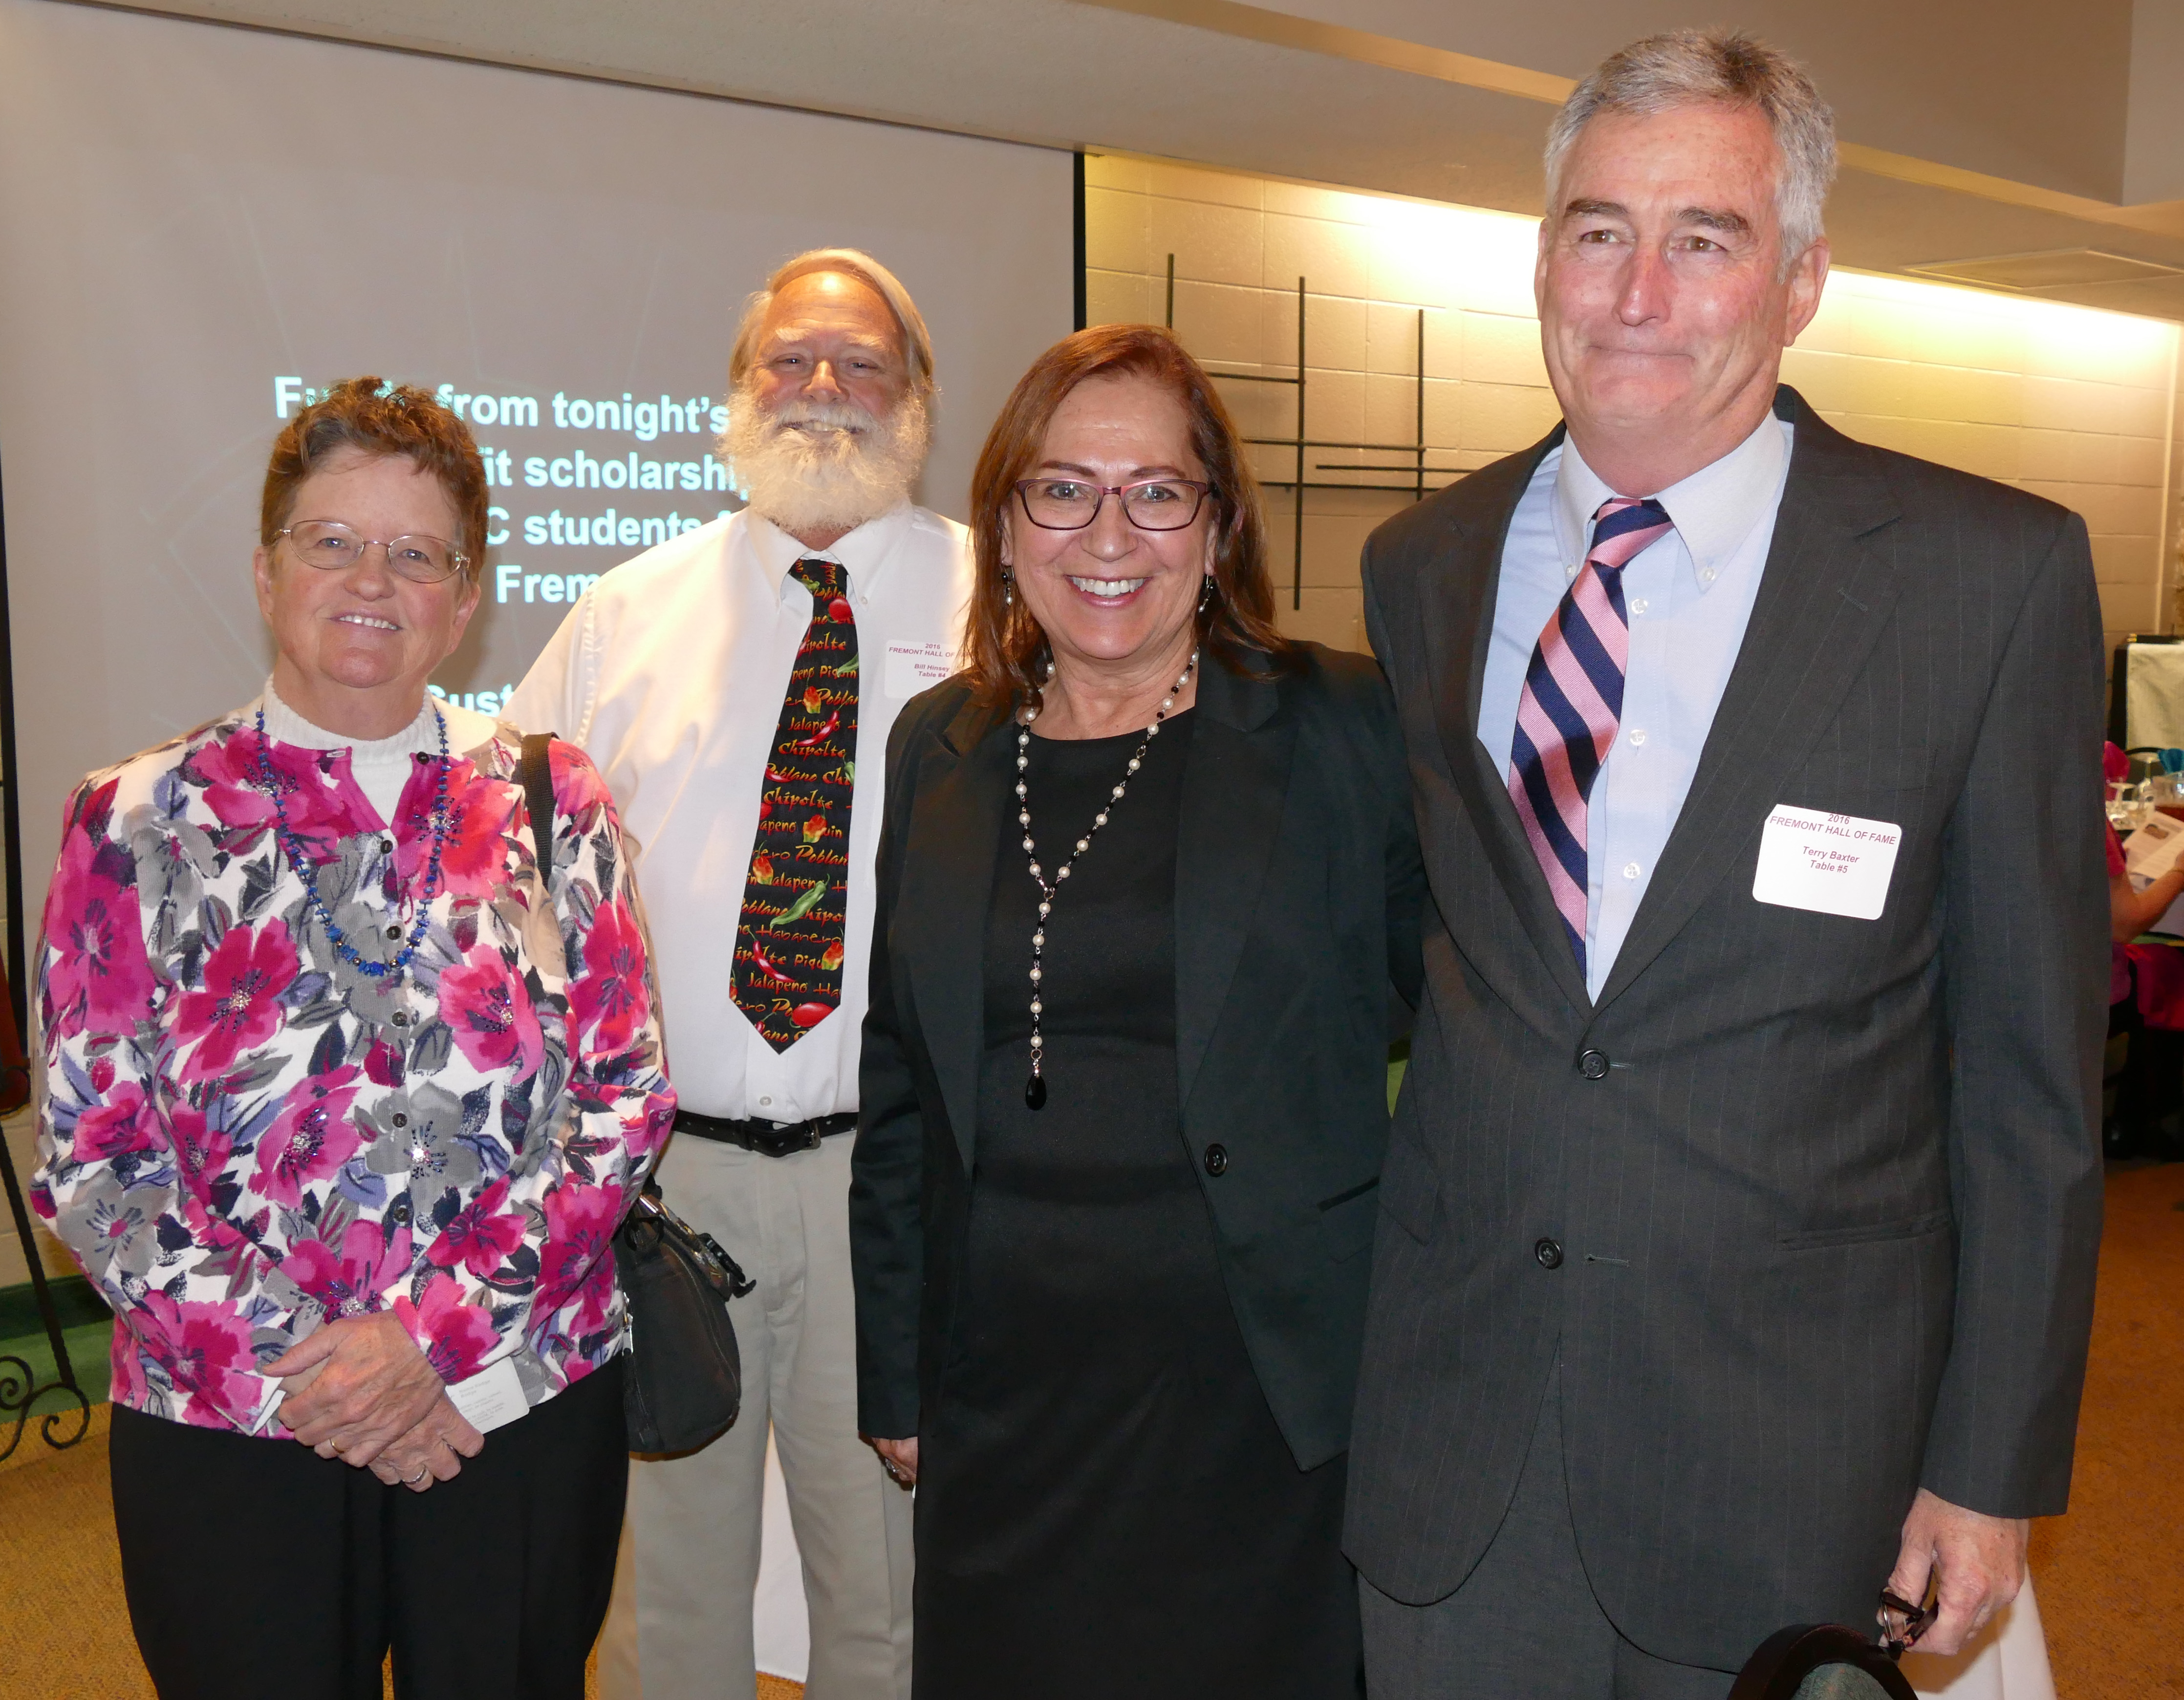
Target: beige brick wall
[{"x": 2076, "y": 405}]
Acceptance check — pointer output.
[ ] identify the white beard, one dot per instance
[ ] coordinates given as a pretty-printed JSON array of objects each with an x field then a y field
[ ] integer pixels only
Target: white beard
[{"x": 842, "y": 467}]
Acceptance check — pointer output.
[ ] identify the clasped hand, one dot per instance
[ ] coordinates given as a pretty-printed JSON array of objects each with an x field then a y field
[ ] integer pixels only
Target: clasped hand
[
  {"x": 361, "y": 1390},
  {"x": 899, "y": 1458}
]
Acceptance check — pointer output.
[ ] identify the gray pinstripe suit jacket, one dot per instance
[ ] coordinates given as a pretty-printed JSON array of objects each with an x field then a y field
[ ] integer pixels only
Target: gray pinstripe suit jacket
[{"x": 1828, "y": 1223}]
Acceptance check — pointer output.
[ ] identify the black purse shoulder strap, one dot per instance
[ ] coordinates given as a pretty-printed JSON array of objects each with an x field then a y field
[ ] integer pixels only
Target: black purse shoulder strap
[{"x": 536, "y": 774}]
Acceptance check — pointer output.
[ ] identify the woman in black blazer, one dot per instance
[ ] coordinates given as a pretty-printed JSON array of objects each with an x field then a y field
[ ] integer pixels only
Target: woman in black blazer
[{"x": 1148, "y": 880}]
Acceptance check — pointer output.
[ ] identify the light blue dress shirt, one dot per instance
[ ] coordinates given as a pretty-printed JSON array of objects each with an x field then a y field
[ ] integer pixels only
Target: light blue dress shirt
[{"x": 1690, "y": 596}]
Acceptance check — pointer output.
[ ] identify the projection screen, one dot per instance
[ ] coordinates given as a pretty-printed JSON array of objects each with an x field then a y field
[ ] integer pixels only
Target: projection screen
[{"x": 202, "y": 226}]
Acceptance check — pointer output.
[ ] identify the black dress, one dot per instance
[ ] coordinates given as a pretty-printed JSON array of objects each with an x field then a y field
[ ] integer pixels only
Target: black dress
[{"x": 1106, "y": 1505}]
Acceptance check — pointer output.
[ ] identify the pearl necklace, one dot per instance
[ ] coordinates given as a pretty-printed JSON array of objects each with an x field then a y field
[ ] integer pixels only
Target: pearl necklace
[
  {"x": 300, "y": 861},
  {"x": 1035, "y": 1087}
]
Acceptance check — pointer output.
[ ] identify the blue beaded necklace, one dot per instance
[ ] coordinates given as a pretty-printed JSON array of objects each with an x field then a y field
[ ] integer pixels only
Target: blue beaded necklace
[{"x": 301, "y": 861}]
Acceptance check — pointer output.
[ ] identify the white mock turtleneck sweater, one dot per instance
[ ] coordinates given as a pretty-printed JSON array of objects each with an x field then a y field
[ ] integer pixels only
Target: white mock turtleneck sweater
[{"x": 381, "y": 765}]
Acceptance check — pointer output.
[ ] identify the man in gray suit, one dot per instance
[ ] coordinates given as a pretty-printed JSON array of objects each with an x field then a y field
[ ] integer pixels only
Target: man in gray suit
[{"x": 1741, "y": 1211}]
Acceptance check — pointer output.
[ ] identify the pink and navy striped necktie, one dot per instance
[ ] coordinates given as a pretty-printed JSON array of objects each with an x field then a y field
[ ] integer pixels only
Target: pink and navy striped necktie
[{"x": 1573, "y": 702}]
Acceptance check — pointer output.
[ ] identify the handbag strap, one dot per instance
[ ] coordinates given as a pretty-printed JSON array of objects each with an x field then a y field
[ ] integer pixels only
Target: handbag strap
[{"x": 536, "y": 772}]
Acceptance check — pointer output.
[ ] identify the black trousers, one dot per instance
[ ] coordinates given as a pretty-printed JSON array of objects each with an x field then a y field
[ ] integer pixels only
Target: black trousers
[
  {"x": 255, "y": 1567},
  {"x": 2149, "y": 1092}
]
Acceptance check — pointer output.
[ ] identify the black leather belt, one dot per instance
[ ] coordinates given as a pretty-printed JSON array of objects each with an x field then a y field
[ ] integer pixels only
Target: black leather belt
[{"x": 767, "y": 1138}]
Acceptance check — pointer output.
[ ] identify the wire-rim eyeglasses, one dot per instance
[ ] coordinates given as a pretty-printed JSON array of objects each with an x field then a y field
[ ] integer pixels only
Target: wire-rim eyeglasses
[{"x": 330, "y": 546}]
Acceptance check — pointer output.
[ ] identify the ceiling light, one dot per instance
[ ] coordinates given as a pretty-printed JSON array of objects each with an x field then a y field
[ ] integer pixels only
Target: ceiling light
[{"x": 2062, "y": 268}]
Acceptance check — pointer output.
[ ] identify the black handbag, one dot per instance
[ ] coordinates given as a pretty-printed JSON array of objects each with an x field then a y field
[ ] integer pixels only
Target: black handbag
[{"x": 683, "y": 1381}]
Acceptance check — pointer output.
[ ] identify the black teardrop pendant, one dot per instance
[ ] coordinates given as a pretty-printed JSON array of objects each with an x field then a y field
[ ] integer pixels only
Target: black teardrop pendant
[{"x": 1035, "y": 1092}]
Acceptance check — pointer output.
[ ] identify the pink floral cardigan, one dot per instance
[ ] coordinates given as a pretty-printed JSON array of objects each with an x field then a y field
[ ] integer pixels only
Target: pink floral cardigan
[{"x": 243, "y": 1136}]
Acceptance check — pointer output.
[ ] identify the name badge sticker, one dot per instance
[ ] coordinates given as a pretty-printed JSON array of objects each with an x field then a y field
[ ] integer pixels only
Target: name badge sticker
[
  {"x": 491, "y": 1399},
  {"x": 1829, "y": 864},
  {"x": 913, "y": 667}
]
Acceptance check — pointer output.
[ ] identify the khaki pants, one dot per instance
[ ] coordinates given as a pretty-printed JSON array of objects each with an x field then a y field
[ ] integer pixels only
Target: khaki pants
[{"x": 680, "y": 1624}]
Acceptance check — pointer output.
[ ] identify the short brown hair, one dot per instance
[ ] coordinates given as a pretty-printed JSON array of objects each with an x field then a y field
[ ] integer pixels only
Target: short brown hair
[
  {"x": 1004, "y": 641},
  {"x": 376, "y": 418}
]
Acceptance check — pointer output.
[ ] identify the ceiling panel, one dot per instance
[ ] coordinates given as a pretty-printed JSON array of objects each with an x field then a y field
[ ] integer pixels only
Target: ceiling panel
[{"x": 1216, "y": 92}]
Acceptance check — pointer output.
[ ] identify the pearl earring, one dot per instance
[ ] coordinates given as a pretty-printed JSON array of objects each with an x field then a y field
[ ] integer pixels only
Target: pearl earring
[{"x": 1008, "y": 588}]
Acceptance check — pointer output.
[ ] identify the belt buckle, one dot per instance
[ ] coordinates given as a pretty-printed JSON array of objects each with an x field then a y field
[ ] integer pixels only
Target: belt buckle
[{"x": 787, "y": 1138}]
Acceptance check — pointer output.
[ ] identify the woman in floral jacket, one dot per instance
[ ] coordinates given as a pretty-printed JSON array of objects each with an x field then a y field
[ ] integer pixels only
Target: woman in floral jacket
[{"x": 346, "y": 1096}]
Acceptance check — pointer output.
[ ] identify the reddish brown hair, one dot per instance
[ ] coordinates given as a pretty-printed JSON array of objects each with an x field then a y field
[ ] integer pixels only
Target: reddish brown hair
[
  {"x": 1006, "y": 643},
  {"x": 376, "y": 418}
]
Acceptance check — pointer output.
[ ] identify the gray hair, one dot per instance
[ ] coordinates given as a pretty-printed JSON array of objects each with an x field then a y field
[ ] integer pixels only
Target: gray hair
[
  {"x": 916, "y": 341},
  {"x": 1693, "y": 67}
]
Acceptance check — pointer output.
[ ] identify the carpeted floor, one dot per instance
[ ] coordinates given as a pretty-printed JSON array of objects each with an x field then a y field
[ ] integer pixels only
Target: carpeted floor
[
  {"x": 2111, "y": 1587},
  {"x": 67, "y": 1635},
  {"x": 2111, "y": 1582}
]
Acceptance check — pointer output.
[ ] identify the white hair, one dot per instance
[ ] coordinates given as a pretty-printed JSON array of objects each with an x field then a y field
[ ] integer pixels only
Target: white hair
[
  {"x": 849, "y": 262},
  {"x": 1693, "y": 68}
]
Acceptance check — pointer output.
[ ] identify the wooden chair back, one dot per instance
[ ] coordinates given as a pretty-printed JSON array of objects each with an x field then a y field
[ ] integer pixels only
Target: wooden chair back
[{"x": 1820, "y": 1662}]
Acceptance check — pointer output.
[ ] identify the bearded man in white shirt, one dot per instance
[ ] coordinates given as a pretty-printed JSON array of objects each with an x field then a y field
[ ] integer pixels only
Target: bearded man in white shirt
[{"x": 732, "y": 685}]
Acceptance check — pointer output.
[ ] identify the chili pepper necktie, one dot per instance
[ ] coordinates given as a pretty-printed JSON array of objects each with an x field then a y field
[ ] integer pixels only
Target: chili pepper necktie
[
  {"x": 1573, "y": 702},
  {"x": 788, "y": 942}
]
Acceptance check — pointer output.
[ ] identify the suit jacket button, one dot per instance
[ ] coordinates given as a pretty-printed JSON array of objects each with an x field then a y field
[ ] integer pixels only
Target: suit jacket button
[
  {"x": 1549, "y": 1253},
  {"x": 1593, "y": 1064},
  {"x": 1217, "y": 1159}
]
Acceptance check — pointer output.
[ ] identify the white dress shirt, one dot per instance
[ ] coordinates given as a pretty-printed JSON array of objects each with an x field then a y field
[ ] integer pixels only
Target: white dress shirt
[
  {"x": 1688, "y": 595},
  {"x": 671, "y": 673}
]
